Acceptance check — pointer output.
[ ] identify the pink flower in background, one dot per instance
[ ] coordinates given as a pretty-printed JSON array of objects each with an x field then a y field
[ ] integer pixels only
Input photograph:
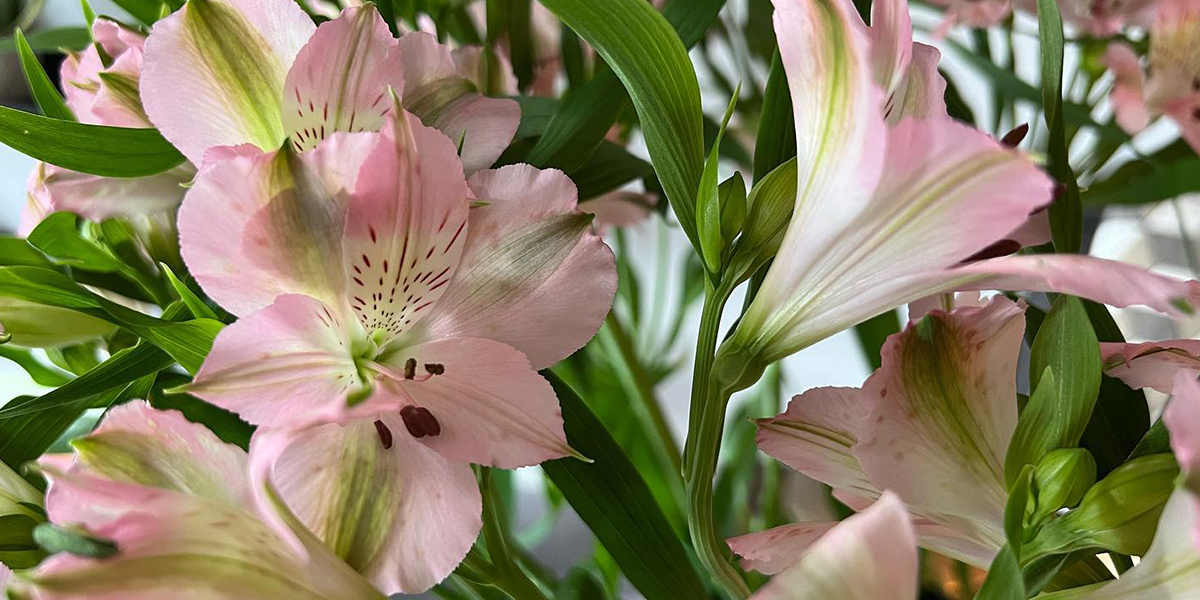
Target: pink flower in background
[
  {"x": 931, "y": 425},
  {"x": 972, "y": 13},
  {"x": 233, "y": 72},
  {"x": 386, "y": 323},
  {"x": 175, "y": 501},
  {"x": 869, "y": 556},
  {"x": 1170, "y": 84},
  {"x": 896, "y": 201}
]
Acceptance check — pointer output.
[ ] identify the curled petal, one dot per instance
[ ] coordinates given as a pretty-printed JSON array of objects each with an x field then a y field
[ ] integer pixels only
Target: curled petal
[
  {"x": 533, "y": 276},
  {"x": 776, "y": 549},
  {"x": 1151, "y": 364}
]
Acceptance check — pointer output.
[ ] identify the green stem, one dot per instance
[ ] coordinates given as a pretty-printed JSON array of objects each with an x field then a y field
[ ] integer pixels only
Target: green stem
[
  {"x": 706, "y": 421},
  {"x": 504, "y": 572},
  {"x": 645, "y": 391}
]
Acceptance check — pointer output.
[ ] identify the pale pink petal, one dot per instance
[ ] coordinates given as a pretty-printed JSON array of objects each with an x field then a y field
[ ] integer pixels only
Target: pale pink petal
[
  {"x": 619, "y": 209},
  {"x": 891, "y": 43},
  {"x": 942, "y": 409},
  {"x": 533, "y": 275},
  {"x": 406, "y": 227},
  {"x": 341, "y": 77},
  {"x": 139, "y": 445},
  {"x": 254, "y": 225},
  {"x": 469, "y": 61},
  {"x": 778, "y": 548},
  {"x": 870, "y": 556},
  {"x": 1151, "y": 364},
  {"x": 394, "y": 510},
  {"x": 214, "y": 72},
  {"x": 1182, "y": 418},
  {"x": 287, "y": 364},
  {"x": 98, "y": 198},
  {"x": 436, "y": 92},
  {"x": 948, "y": 541},
  {"x": 491, "y": 407},
  {"x": 117, "y": 100},
  {"x": 1129, "y": 105},
  {"x": 90, "y": 97},
  {"x": 921, "y": 93},
  {"x": 815, "y": 436}
]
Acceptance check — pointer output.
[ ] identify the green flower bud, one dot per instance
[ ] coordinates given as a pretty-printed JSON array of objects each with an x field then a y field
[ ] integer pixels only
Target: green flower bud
[{"x": 1061, "y": 479}]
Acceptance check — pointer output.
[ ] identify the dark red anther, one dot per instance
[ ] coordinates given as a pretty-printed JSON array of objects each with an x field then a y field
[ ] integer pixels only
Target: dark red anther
[
  {"x": 385, "y": 434},
  {"x": 1000, "y": 248},
  {"x": 420, "y": 422},
  {"x": 410, "y": 368},
  {"x": 435, "y": 368},
  {"x": 1014, "y": 137}
]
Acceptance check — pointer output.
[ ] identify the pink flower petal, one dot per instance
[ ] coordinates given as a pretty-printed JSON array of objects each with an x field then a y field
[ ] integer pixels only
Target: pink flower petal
[
  {"x": 287, "y": 364},
  {"x": 1182, "y": 418},
  {"x": 1129, "y": 105},
  {"x": 214, "y": 73},
  {"x": 776, "y": 549},
  {"x": 870, "y": 555},
  {"x": 533, "y": 276},
  {"x": 491, "y": 407},
  {"x": 98, "y": 198},
  {"x": 341, "y": 77},
  {"x": 444, "y": 98},
  {"x": 394, "y": 510},
  {"x": 1151, "y": 364}
]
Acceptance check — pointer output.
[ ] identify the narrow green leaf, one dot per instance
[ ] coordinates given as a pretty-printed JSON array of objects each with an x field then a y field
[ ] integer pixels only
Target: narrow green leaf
[
  {"x": 708, "y": 200},
  {"x": 226, "y": 425},
  {"x": 614, "y": 501},
  {"x": 55, "y": 539},
  {"x": 1004, "y": 581},
  {"x": 59, "y": 237},
  {"x": 17, "y": 252},
  {"x": 41, "y": 374},
  {"x": 1168, "y": 173},
  {"x": 41, "y": 89},
  {"x": 52, "y": 40},
  {"x": 199, "y": 309},
  {"x": 94, "y": 149},
  {"x": 1066, "y": 214},
  {"x": 609, "y": 168},
  {"x": 776, "y": 141},
  {"x": 146, "y": 11}
]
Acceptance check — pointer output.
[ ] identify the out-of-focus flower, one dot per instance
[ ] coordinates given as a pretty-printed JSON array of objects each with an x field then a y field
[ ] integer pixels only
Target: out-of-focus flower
[
  {"x": 890, "y": 208},
  {"x": 1170, "y": 85},
  {"x": 972, "y": 13},
  {"x": 932, "y": 425},
  {"x": 373, "y": 298},
  {"x": 233, "y": 72},
  {"x": 869, "y": 556},
  {"x": 101, "y": 86},
  {"x": 175, "y": 502}
]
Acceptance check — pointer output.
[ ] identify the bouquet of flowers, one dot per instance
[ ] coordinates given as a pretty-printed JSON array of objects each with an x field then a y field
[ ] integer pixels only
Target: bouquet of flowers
[{"x": 303, "y": 281}]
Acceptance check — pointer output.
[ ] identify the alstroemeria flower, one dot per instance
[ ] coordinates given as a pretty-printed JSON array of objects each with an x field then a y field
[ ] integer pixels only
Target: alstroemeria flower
[
  {"x": 869, "y": 556},
  {"x": 1170, "y": 84},
  {"x": 932, "y": 425},
  {"x": 175, "y": 501},
  {"x": 886, "y": 214},
  {"x": 373, "y": 296},
  {"x": 103, "y": 91},
  {"x": 1152, "y": 365},
  {"x": 232, "y": 72},
  {"x": 973, "y": 13},
  {"x": 1171, "y": 567}
]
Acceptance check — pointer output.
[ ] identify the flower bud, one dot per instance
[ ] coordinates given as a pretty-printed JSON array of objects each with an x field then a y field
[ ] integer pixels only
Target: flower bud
[{"x": 1061, "y": 479}]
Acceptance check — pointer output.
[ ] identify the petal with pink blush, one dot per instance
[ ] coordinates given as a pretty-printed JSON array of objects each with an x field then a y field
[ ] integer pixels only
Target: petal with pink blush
[
  {"x": 942, "y": 409},
  {"x": 777, "y": 549},
  {"x": 534, "y": 275},
  {"x": 405, "y": 229},
  {"x": 288, "y": 364},
  {"x": 254, "y": 225},
  {"x": 139, "y": 445},
  {"x": 396, "y": 511},
  {"x": 922, "y": 92},
  {"x": 869, "y": 556},
  {"x": 816, "y": 434},
  {"x": 490, "y": 407},
  {"x": 214, "y": 71},
  {"x": 891, "y": 43},
  {"x": 955, "y": 544},
  {"x": 1129, "y": 104},
  {"x": 435, "y": 91},
  {"x": 341, "y": 77},
  {"x": 98, "y": 198},
  {"x": 1182, "y": 418},
  {"x": 1151, "y": 364}
]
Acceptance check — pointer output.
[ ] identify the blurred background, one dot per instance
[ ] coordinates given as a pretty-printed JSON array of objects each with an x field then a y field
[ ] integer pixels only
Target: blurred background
[{"x": 662, "y": 308}]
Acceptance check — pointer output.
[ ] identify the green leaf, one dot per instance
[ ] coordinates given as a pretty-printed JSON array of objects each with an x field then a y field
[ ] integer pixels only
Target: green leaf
[
  {"x": 40, "y": 87},
  {"x": 708, "y": 201},
  {"x": 776, "y": 140},
  {"x": 732, "y": 193},
  {"x": 59, "y": 237},
  {"x": 1065, "y": 370},
  {"x": 17, "y": 252},
  {"x": 609, "y": 168},
  {"x": 1169, "y": 173},
  {"x": 614, "y": 501},
  {"x": 55, "y": 539},
  {"x": 41, "y": 374},
  {"x": 146, "y": 11},
  {"x": 94, "y": 149},
  {"x": 1004, "y": 581},
  {"x": 649, "y": 58},
  {"x": 193, "y": 302},
  {"x": 226, "y": 425},
  {"x": 510, "y": 20},
  {"x": 52, "y": 40},
  {"x": 1066, "y": 213}
]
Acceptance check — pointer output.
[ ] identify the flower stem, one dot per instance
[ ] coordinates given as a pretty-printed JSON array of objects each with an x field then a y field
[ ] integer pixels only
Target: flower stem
[
  {"x": 504, "y": 571},
  {"x": 705, "y": 423},
  {"x": 645, "y": 390}
]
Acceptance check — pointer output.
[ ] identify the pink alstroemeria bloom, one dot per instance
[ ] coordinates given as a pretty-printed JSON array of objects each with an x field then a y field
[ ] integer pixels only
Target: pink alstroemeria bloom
[
  {"x": 176, "y": 502},
  {"x": 871, "y": 555},
  {"x": 1152, "y": 365},
  {"x": 932, "y": 425},
  {"x": 972, "y": 13},
  {"x": 232, "y": 72},
  {"x": 1170, "y": 85},
  {"x": 373, "y": 297},
  {"x": 1171, "y": 567},
  {"x": 895, "y": 204},
  {"x": 103, "y": 91}
]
